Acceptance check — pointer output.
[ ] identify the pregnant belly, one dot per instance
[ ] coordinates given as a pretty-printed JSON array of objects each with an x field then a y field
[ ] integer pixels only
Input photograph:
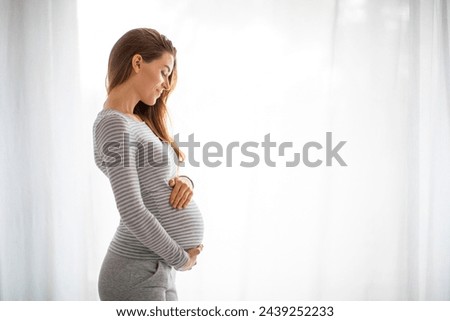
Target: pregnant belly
[{"x": 185, "y": 226}]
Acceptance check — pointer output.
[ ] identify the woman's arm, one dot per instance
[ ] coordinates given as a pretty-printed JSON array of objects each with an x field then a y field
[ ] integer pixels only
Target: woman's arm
[{"x": 123, "y": 176}]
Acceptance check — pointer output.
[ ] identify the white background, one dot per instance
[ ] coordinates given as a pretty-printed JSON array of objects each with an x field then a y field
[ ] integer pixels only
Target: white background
[{"x": 374, "y": 73}]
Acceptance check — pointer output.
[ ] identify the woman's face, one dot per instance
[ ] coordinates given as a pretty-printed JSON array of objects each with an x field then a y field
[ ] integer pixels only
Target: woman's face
[{"x": 153, "y": 78}]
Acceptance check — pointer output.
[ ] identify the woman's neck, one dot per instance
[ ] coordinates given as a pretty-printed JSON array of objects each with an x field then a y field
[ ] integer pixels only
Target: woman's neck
[{"x": 122, "y": 98}]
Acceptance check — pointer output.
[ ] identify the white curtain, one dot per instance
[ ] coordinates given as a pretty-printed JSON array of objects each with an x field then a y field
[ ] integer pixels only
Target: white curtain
[
  {"x": 45, "y": 194},
  {"x": 373, "y": 73}
]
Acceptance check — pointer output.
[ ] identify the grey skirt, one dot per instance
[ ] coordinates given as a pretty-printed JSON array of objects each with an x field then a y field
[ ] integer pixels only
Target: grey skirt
[{"x": 126, "y": 279}]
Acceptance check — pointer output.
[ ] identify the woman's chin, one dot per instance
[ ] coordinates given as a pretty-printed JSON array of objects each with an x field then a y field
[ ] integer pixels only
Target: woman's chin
[{"x": 150, "y": 102}]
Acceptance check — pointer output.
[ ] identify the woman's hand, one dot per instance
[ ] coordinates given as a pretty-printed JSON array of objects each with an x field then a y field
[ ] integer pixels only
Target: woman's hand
[
  {"x": 192, "y": 257},
  {"x": 182, "y": 192}
]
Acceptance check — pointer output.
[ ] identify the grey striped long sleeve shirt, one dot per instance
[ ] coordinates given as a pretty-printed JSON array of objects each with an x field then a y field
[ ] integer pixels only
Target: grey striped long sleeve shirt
[{"x": 139, "y": 166}]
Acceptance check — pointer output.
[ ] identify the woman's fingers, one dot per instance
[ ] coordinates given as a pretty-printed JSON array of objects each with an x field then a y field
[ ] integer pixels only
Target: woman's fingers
[
  {"x": 181, "y": 194},
  {"x": 185, "y": 199},
  {"x": 181, "y": 197},
  {"x": 193, "y": 253},
  {"x": 175, "y": 192},
  {"x": 198, "y": 248}
]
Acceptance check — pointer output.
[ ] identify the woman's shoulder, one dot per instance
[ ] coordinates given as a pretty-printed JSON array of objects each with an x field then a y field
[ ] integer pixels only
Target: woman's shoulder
[
  {"x": 111, "y": 121},
  {"x": 111, "y": 115}
]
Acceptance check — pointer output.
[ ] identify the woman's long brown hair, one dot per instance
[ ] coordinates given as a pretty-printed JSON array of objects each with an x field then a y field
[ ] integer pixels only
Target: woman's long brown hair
[{"x": 151, "y": 45}]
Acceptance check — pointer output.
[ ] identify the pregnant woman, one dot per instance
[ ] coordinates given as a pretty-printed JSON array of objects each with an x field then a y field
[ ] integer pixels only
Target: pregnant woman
[{"x": 161, "y": 227}]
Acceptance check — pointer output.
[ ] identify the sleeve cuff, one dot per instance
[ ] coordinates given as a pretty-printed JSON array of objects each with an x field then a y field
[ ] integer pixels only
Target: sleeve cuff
[{"x": 183, "y": 262}]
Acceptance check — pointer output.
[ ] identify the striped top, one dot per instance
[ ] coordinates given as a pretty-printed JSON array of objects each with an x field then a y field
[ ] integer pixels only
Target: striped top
[{"x": 139, "y": 166}]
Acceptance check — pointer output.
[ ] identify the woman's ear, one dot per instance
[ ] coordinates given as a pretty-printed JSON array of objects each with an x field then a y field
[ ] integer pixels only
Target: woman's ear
[{"x": 136, "y": 62}]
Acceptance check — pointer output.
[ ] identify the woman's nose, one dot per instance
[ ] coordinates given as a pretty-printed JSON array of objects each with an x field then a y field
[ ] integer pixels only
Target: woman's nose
[{"x": 166, "y": 85}]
